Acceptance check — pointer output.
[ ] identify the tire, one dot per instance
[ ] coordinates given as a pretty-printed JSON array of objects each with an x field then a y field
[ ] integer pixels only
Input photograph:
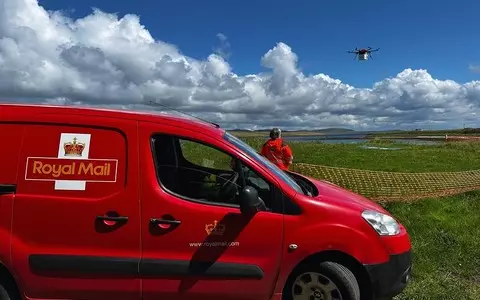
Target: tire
[
  {"x": 4, "y": 294},
  {"x": 326, "y": 281}
]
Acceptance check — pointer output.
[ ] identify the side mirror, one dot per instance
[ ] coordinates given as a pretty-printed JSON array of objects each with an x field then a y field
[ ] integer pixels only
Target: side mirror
[{"x": 249, "y": 201}]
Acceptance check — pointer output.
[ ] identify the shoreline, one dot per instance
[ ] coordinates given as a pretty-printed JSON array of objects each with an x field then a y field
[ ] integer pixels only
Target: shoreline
[{"x": 426, "y": 137}]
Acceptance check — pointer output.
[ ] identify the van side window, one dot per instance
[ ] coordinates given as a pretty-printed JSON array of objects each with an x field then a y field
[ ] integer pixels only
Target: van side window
[
  {"x": 196, "y": 171},
  {"x": 205, "y": 156}
]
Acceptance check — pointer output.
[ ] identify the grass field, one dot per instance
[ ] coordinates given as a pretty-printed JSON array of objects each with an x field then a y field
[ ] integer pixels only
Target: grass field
[
  {"x": 446, "y": 245},
  {"x": 444, "y": 231},
  {"x": 457, "y": 156}
]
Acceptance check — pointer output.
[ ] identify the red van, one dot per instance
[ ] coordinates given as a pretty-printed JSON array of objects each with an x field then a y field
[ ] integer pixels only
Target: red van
[{"x": 99, "y": 204}]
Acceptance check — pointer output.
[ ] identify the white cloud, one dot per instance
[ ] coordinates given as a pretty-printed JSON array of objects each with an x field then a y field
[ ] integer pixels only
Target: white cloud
[
  {"x": 474, "y": 68},
  {"x": 107, "y": 61},
  {"x": 223, "y": 48}
]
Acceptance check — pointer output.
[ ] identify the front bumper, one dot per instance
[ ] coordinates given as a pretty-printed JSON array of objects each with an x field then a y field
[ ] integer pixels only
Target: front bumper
[{"x": 391, "y": 278}]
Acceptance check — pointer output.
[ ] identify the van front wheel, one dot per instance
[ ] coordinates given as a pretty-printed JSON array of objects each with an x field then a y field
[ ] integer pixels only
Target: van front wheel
[{"x": 328, "y": 281}]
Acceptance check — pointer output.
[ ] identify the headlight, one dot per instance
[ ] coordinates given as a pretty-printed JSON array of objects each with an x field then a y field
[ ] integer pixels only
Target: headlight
[{"x": 383, "y": 224}]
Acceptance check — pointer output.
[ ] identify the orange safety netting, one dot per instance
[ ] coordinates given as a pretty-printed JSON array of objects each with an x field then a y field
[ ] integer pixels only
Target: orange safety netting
[{"x": 389, "y": 186}]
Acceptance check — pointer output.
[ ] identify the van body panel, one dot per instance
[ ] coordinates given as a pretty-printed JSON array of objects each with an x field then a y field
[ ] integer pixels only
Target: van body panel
[
  {"x": 70, "y": 178},
  {"x": 324, "y": 227},
  {"x": 11, "y": 136},
  {"x": 6, "y": 207}
]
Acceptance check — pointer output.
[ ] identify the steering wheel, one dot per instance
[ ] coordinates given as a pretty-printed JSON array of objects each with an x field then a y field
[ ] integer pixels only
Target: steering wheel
[{"x": 228, "y": 189}]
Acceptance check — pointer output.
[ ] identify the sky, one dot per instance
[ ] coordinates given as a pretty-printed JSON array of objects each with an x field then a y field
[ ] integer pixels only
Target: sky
[{"x": 250, "y": 64}]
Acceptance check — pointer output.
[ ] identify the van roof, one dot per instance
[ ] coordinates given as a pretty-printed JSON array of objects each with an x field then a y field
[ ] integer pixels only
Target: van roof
[{"x": 16, "y": 112}]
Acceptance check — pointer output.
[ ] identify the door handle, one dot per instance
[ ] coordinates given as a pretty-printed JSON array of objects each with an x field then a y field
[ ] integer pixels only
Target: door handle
[
  {"x": 109, "y": 221},
  {"x": 6, "y": 189},
  {"x": 156, "y": 221},
  {"x": 112, "y": 219}
]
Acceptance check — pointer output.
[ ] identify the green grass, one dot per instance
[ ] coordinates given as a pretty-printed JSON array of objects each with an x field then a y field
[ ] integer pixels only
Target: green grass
[
  {"x": 457, "y": 156},
  {"x": 205, "y": 155},
  {"x": 446, "y": 245}
]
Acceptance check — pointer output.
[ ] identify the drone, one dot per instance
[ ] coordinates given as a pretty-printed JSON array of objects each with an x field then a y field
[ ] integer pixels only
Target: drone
[{"x": 363, "y": 54}]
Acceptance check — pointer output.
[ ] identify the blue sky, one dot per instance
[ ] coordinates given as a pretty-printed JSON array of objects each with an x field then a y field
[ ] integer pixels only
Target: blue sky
[
  {"x": 440, "y": 36},
  {"x": 421, "y": 73}
]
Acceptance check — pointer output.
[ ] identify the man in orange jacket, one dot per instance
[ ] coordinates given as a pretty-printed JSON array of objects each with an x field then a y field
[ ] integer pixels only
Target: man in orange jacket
[{"x": 277, "y": 151}]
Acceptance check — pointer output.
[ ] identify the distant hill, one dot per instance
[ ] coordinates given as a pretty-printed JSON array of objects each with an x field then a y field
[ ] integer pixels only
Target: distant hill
[
  {"x": 265, "y": 132},
  {"x": 324, "y": 130},
  {"x": 335, "y": 130}
]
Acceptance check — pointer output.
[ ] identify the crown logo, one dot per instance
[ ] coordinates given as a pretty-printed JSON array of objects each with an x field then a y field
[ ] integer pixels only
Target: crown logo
[
  {"x": 215, "y": 228},
  {"x": 73, "y": 148}
]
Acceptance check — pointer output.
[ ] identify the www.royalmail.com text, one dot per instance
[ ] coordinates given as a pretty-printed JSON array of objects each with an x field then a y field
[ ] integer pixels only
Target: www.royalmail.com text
[{"x": 215, "y": 244}]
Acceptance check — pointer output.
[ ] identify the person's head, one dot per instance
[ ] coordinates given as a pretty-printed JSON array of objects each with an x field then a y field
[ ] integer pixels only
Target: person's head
[{"x": 275, "y": 133}]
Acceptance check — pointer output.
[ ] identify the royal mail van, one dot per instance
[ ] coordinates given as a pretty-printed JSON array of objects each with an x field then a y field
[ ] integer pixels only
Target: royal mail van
[{"x": 98, "y": 204}]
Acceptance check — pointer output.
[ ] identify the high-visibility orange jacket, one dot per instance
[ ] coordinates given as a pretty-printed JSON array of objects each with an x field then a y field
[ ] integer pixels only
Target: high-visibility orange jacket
[{"x": 278, "y": 153}]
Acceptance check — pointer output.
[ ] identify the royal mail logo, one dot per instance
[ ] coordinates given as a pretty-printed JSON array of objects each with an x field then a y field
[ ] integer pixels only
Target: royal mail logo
[
  {"x": 52, "y": 169},
  {"x": 73, "y": 149},
  {"x": 215, "y": 228},
  {"x": 72, "y": 168}
]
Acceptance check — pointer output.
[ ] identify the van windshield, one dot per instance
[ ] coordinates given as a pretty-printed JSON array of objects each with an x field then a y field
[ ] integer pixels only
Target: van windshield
[{"x": 262, "y": 160}]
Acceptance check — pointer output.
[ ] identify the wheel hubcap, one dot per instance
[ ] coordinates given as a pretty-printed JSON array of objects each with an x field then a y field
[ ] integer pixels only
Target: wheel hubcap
[{"x": 315, "y": 286}]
